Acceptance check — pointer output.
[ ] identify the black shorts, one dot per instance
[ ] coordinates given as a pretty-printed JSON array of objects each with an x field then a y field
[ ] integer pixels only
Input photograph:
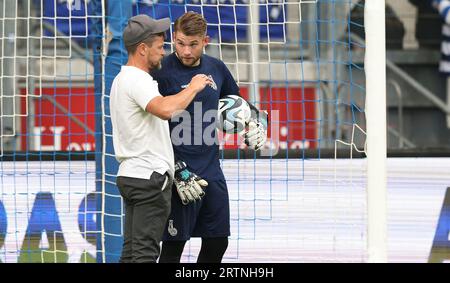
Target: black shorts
[{"x": 208, "y": 218}]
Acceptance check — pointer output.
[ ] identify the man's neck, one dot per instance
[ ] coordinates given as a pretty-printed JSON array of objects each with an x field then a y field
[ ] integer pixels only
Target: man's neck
[{"x": 136, "y": 63}]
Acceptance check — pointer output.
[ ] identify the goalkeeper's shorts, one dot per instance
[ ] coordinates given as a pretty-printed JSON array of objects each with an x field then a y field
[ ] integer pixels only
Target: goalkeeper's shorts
[{"x": 207, "y": 218}]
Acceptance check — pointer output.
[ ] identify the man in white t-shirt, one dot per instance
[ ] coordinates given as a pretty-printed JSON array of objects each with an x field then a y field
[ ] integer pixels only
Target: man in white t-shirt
[{"x": 141, "y": 137}]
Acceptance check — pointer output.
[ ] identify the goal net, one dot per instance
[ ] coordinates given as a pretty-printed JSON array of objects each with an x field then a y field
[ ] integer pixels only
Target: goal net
[
  {"x": 302, "y": 198},
  {"x": 299, "y": 61}
]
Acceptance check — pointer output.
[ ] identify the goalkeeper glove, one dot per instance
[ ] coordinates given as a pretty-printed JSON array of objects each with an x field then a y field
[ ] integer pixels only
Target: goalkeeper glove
[
  {"x": 255, "y": 135},
  {"x": 189, "y": 185}
]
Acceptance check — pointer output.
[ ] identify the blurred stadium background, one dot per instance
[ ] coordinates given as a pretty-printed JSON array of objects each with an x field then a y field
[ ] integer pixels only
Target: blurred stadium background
[{"x": 301, "y": 59}]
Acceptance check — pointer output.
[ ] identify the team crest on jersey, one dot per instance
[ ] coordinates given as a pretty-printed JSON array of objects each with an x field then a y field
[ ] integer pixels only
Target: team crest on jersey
[
  {"x": 213, "y": 85},
  {"x": 172, "y": 230}
]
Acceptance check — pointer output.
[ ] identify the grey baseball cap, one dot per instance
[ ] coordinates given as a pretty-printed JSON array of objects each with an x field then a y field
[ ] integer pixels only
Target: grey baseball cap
[{"x": 140, "y": 27}]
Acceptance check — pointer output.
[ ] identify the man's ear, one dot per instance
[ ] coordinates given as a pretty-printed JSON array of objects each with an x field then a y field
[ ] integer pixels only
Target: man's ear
[
  {"x": 141, "y": 49},
  {"x": 206, "y": 40}
]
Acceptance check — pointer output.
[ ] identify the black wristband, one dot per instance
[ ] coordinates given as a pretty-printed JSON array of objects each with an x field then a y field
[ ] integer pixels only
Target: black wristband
[{"x": 180, "y": 165}]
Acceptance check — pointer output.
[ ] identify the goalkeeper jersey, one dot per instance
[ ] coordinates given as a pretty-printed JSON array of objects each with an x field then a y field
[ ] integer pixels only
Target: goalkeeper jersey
[{"x": 193, "y": 133}]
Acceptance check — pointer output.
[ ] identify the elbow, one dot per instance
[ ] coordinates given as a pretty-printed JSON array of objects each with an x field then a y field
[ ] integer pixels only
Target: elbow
[
  {"x": 165, "y": 117},
  {"x": 161, "y": 108},
  {"x": 166, "y": 114},
  {"x": 162, "y": 111}
]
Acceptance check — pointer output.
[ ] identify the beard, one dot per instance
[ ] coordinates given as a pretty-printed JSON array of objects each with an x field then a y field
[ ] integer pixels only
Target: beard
[
  {"x": 158, "y": 66},
  {"x": 190, "y": 62},
  {"x": 155, "y": 66}
]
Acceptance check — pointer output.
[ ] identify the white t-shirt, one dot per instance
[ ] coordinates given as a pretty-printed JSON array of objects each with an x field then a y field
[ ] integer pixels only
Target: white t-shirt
[{"x": 141, "y": 140}]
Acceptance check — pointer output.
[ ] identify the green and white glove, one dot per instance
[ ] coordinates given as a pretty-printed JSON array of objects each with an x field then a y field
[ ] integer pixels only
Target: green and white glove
[
  {"x": 255, "y": 136},
  {"x": 189, "y": 185}
]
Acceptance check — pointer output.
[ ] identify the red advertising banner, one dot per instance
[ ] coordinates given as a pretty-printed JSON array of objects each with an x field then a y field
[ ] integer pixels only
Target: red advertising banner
[
  {"x": 293, "y": 110},
  {"x": 64, "y": 119}
]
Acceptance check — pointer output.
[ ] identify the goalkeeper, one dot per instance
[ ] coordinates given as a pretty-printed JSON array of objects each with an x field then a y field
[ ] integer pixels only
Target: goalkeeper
[{"x": 200, "y": 204}]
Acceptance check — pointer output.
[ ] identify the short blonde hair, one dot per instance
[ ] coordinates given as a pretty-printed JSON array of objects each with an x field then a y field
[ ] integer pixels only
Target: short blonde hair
[{"x": 191, "y": 23}]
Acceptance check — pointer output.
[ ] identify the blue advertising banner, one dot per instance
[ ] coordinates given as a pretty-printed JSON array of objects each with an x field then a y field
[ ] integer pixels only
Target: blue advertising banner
[
  {"x": 70, "y": 17},
  {"x": 229, "y": 17}
]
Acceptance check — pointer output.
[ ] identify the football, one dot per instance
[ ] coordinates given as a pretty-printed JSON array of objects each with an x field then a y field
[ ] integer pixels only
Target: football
[{"x": 233, "y": 114}]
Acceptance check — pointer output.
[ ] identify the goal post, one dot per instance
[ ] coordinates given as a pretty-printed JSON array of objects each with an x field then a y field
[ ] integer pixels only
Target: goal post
[
  {"x": 375, "y": 65},
  {"x": 116, "y": 15}
]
